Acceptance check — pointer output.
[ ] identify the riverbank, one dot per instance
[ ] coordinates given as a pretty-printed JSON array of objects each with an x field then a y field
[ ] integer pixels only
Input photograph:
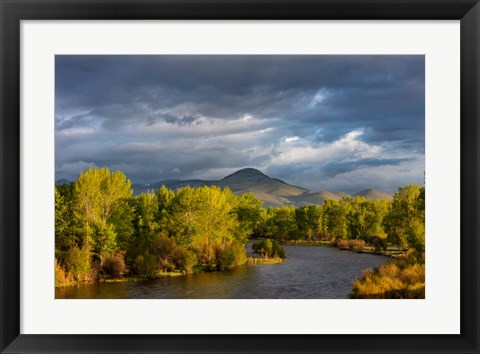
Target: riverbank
[
  {"x": 262, "y": 260},
  {"x": 161, "y": 274},
  {"x": 391, "y": 251},
  {"x": 102, "y": 280},
  {"x": 307, "y": 273}
]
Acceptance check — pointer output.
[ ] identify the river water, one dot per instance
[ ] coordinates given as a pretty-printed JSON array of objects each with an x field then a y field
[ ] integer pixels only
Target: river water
[{"x": 309, "y": 272}]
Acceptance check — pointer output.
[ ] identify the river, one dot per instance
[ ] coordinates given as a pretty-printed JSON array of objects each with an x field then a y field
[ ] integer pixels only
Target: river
[{"x": 309, "y": 272}]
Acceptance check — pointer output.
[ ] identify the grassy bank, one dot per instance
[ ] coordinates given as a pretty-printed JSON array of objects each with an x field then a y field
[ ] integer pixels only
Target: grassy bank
[
  {"x": 350, "y": 245},
  {"x": 262, "y": 260},
  {"x": 402, "y": 279},
  {"x": 124, "y": 279}
]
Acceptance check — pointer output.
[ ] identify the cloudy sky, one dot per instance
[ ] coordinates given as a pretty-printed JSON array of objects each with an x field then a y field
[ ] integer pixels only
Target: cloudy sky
[{"x": 337, "y": 123}]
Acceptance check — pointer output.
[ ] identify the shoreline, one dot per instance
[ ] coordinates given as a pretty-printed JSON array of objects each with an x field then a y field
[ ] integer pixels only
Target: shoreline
[
  {"x": 251, "y": 260},
  {"x": 367, "y": 250}
]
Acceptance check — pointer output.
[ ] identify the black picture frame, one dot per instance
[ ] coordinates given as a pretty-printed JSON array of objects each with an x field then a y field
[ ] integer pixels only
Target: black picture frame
[{"x": 14, "y": 11}]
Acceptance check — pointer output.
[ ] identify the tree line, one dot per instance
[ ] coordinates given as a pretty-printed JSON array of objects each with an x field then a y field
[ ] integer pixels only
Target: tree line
[
  {"x": 102, "y": 230},
  {"x": 400, "y": 222}
]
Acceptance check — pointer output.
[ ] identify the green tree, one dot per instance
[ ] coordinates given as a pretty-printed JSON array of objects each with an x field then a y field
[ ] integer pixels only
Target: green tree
[
  {"x": 365, "y": 218},
  {"x": 77, "y": 261},
  {"x": 99, "y": 194},
  {"x": 281, "y": 223},
  {"x": 405, "y": 220},
  {"x": 67, "y": 231},
  {"x": 202, "y": 218},
  {"x": 263, "y": 248},
  {"x": 336, "y": 223},
  {"x": 309, "y": 221},
  {"x": 249, "y": 213},
  {"x": 103, "y": 241}
]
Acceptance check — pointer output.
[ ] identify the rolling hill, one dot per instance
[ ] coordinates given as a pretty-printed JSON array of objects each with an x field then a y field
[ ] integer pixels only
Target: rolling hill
[
  {"x": 373, "y": 194},
  {"x": 273, "y": 192}
]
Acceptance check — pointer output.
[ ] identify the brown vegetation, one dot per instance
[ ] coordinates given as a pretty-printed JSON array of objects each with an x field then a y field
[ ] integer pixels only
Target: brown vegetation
[{"x": 403, "y": 279}]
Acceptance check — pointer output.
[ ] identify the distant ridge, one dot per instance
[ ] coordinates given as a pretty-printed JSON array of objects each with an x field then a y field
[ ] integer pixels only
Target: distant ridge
[
  {"x": 272, "y": 192},
  {"x": 373, "y": 194}
]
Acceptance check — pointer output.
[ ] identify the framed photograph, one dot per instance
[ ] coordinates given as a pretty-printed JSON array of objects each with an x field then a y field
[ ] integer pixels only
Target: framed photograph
[{"x": 271, "y": 176}]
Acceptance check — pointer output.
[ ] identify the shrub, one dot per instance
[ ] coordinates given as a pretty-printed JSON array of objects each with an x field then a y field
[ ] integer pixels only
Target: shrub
[
  {"x": 342, "y": 244},
  {"x": 263, "y": 248},
  {"x": 62, "y": 277},
  {"x": 231, "y": 255},
  {"x": 403, "y": 279},
  {"x": 379, "y": 243},
  {"x": 164, "y": 246},
  {"x": 77, "y": 261},
  {"x": 413, "y": 274},
  {"x": 184, "y": 259},
  {"x": 95, "y": 268},
  {"x": 374, "y": 285},
  {"x": 278, "y": 250},
  {"x": 114, "y": 266},
  {"x": 146, "y": 265},
  {"x": 267, "y": 248},
  {"x": 356, "y": 245},
  {"x": 389, "y": 270}
]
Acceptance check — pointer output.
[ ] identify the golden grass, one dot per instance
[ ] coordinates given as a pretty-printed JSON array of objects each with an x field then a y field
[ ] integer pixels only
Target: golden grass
[
  {"x": 403, "y": 279},
  {"x": 261, "y": 260}
]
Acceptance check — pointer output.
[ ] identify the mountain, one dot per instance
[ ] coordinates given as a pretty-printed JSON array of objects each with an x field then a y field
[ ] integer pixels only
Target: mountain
[
  {"x": 272, "y": 191},
  {"x": 373, "y": 194},
  {"x": 310, "y": 198}
]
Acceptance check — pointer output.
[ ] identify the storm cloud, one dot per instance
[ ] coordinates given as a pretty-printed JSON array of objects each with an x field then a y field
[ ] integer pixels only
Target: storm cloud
[{"x": 340, "y": 123}]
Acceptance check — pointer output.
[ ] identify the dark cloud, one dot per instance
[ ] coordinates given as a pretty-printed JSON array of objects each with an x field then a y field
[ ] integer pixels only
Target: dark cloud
[
  {"x": 160, "y": 117},
  {"x": 334, "y": 168}
]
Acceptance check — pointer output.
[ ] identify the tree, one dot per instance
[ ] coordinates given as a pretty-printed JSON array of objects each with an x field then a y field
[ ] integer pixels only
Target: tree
[
  {"x": 269, "y": 248},
  {"x": 281, "y": 223},
  {"x": 103, "y": 241},
  {"x": 77, "y": 261},
  {"x": 67, "y": 233},
  {"x": 99, "y": 195},
  {"x": 405, "y": 220},
  {"x": 309, "y": 220},
  {"x": 365, "y": 218},
  {"x": 263, "y": 248},
  {"x": 336, "y": 218},
  {"x": 202, "y": 218},
  {"x": 249, "y": 212}
]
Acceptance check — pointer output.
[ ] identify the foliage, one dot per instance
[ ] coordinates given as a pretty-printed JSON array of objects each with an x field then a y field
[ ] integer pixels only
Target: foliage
[
  {"x": 405, "y": 220},
  {"x": 379, "y": 242},
  {"x": 250, "y": 214},
  {"x": 231, "y": 255},
  {"x": 356, "y": 245},
  {"x": 268, "y": 248},
  {"x": 67, "y": 227},
  {"x": 146, "y": 265},
  {"x": 342, "y": 244},
  {"x": 309, "y": 221},
  {"x": 114, "y": 266},
  {"x": 101, "y": 226},
  {"x": 184, "y": 260},
  {"x": 77, "y": 261},
  {"x": 62, "y": 277},
  {"x": 281, "y": 223},
  {"x": 335, "y": 218},
  {"x": 404, "y": 278}
]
